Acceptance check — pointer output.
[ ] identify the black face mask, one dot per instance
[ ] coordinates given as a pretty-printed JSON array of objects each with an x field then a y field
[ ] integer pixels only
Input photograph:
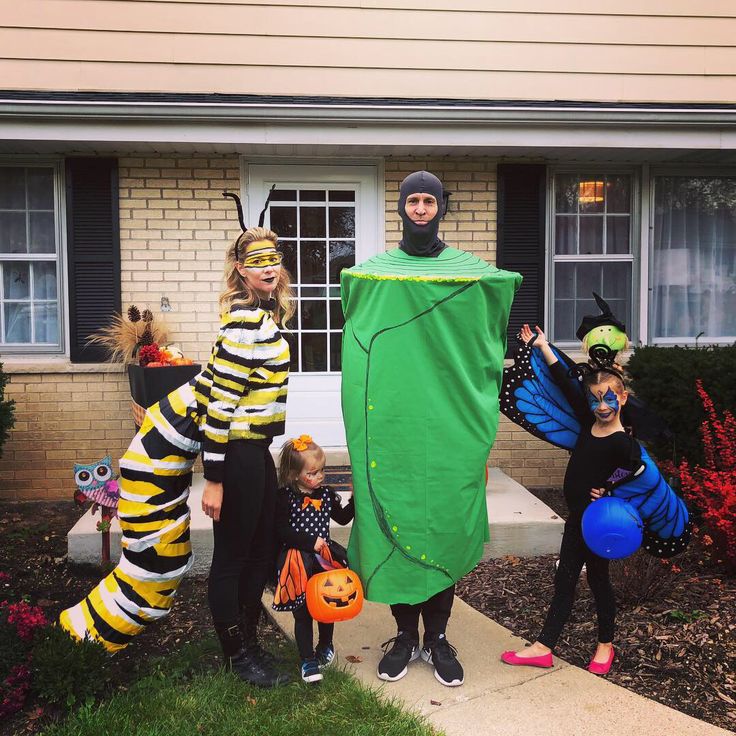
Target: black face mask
[{"x": 422, "y": 240}]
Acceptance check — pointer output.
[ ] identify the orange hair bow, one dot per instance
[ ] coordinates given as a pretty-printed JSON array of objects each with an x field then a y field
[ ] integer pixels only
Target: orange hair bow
[{"x": 301, "y": 442}]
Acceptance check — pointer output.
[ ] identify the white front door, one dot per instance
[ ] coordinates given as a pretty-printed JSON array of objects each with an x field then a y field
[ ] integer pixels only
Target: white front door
[{"x": 327, "y": 218}]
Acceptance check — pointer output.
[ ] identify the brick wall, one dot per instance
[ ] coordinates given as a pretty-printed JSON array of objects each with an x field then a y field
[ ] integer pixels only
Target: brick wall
[{"x": 174, "y": 228}]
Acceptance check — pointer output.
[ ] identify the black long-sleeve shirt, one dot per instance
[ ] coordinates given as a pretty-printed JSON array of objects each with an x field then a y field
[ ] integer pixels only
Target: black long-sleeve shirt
[
  {"x": 593, "y": 459},
  {"x": 289, "y": 515}
]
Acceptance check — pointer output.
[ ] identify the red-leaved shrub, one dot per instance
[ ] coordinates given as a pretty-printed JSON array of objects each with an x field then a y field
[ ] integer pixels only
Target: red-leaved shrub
[{"x": 711, "y": 487}]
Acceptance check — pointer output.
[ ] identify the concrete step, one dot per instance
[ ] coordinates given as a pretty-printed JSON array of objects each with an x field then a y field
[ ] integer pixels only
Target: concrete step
[{"x": 519, "y": 524}]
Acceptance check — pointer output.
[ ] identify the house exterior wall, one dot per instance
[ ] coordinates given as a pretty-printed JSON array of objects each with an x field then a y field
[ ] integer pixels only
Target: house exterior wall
[
  {"x": 174, "y": 227},
  {"x": 649, "y": 50}
]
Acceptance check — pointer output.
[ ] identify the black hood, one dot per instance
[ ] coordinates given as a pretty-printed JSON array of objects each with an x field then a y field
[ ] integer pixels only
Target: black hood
[{"x": 422, "y": 240}]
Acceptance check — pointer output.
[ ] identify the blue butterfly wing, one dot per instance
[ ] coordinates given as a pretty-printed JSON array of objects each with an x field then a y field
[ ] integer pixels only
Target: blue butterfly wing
[
  {"x": 667, "y": 525},
  {"x": 531, "y": 398}
]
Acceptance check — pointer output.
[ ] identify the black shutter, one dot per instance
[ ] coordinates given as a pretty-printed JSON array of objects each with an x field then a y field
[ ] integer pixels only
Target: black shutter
[
  {"x": 93, "y": 240},
  {"x": 520, "y": 236}
]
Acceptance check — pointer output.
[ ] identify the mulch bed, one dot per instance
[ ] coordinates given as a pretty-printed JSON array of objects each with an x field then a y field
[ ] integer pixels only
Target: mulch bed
[
  {"x": 676, "y": 624},
  {"x": 677, "y": 647}
]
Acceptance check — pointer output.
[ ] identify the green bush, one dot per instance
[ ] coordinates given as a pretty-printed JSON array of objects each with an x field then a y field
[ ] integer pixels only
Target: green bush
[
  {"x": 67, "y": 672},
  {"x": 7, "y": 410},
  {"x": 664, "y": 378}
]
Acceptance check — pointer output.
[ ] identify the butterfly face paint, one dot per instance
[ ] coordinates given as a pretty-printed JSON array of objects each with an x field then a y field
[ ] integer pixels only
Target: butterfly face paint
[{"x": 604, "y": 405}]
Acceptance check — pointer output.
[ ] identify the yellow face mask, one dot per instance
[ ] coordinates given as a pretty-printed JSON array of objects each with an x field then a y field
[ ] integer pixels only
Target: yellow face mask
[{"x": 262, "y": 260}]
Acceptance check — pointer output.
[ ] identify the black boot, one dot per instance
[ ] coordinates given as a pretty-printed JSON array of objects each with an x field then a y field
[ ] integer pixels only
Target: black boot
[
  {"x": 243, "y": 663},
  {"x": 250, "y": 617}
]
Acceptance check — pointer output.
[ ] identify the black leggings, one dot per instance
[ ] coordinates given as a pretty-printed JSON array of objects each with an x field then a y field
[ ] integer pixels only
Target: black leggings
[
  {"x": 573, "y": 553},
  {"x": 303, "y": 632},
  {"x": 435, "y": 612},
  {"x": 244, "y": 538}
]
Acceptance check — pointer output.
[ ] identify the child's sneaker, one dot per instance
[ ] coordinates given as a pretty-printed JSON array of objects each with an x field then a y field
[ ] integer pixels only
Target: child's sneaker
[
  {"x": 443, "y": 656},
  {"x": 325, "y": 655},
  {"x": 310, "y": 670}
]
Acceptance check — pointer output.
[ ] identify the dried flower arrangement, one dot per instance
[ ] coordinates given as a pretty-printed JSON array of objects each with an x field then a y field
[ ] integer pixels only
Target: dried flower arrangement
[{"x": 136, "y": 337}]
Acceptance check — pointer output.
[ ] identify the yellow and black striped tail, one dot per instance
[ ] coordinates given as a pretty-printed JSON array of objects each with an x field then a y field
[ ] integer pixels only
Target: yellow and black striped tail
[{"x": 156, "y": 474}]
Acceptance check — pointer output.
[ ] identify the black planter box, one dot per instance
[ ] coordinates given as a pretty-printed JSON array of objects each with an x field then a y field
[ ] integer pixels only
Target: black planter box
[{"x": 149, "y": 385}]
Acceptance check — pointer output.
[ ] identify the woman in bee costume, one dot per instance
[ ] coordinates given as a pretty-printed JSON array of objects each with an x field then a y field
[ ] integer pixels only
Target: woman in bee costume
[{"x": 230, "y": 412}]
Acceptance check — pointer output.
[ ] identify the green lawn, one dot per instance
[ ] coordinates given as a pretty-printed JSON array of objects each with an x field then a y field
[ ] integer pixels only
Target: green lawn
[{"x": 177, "y": 698}]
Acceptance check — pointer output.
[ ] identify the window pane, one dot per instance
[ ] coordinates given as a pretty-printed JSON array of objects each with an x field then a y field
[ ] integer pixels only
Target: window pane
[
  {"x": 16, "y": 281},
  {"x": 342, "y": 255},
  {"x": 694, "y": 265},
  {"x": 574, "y": 287},
  {"x": 288, "y": 250},
  {"x": 337, "y": 320},
  {"x": 283, "y": 195},
  {"x": 312, "y": 222},
  {"x": 618, "y": 193},
  {"x": 44, "y": 280},
  {"x": 12, "y": 188},
  {"x": 566, "y": 235},
  {"x": 342, "y": 222},
  {"x": 591, "y": 195},
  {"x": 307, "y": 291},
  {"x": 566, "y": 193},
  {"x": 17, "y": 322},
  {"x": 314, "y": 352},
  {"x": 591, "y": 235},
  {"x": 283, "y": 221},
  {"x": 617, "y": 235},
  {"x": 13, "y": 232},
  {"x": 335, "y": 351},
  {"x": 312, "y": 195},
  {"x": 312, "y": 262},
  {"x": 43, "y": 232},
  {"x": 40, "y": 189},
  {"x": 342, "y": 196},
  {"x": 314, "y": 315},
  {"x": 293, "y": 340},
  {"x": 45, "y": 317}
]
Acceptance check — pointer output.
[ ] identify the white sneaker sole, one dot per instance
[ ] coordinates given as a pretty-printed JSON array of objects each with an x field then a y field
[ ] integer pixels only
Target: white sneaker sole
[
  {"x": 427, "y": 657},
  {"x": 312, "y": 678},
  {"x": 385, "y": 676}
]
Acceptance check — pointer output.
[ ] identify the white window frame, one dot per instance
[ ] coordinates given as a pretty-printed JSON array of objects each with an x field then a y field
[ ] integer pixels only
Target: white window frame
[
  {"x": 633, "y": 329},
  {"x": 61, "y": 349},
  {"x": 648, "y": 256}
]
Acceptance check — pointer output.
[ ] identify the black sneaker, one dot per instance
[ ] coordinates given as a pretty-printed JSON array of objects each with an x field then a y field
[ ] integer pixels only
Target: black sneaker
[
  {"x": 443, "y": 656},
  {"x": 310, "y": 670},
  {"x": 394, "y": 664}
]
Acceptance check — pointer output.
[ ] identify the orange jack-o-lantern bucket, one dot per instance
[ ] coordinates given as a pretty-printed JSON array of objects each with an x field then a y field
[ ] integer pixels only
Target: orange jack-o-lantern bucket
[{"x": 334, "y": 595}]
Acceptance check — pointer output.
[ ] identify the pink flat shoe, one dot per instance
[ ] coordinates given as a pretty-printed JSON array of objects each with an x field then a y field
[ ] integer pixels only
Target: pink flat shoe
[
  {"x": 601, "y": 668},
  {"x": 544, "y": 660}
]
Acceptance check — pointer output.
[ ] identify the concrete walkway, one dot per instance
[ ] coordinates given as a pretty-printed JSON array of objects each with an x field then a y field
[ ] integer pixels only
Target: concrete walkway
[{"x": 497, "y": 699}]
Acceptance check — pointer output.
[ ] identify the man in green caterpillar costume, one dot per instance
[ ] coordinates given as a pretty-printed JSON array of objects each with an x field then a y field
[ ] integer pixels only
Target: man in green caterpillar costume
[{"x": 423, "y": 350}]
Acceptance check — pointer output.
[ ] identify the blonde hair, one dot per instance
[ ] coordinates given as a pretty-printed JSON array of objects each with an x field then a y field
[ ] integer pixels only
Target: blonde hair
[
  {"x": 237, "y": 292},
  {"x": 291, "y": 461}
]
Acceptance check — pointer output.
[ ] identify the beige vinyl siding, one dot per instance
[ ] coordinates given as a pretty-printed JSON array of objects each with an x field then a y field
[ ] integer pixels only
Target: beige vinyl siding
[{"x": 638, "y": 51}]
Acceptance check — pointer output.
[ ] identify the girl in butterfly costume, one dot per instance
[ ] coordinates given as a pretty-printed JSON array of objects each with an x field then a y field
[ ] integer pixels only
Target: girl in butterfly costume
[
  {"x": 304, "y": 508},
  {"x": 543, "y": 392}
]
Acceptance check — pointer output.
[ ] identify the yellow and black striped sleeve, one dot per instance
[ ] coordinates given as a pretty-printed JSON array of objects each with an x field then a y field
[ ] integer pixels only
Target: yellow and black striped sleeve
[{"x": 236, "y": 353}]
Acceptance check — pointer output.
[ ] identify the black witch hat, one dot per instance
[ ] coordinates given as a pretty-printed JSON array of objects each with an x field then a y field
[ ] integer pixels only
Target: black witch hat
[{"x": 599, "y": 320}]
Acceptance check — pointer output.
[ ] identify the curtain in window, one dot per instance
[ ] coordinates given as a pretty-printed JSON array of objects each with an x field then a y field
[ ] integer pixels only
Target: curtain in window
[{"x": 694, "y": 265}]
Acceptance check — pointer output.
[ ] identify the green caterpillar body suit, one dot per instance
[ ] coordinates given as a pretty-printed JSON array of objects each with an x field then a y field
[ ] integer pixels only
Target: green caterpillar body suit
[{"x": 423, "y": 351}]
